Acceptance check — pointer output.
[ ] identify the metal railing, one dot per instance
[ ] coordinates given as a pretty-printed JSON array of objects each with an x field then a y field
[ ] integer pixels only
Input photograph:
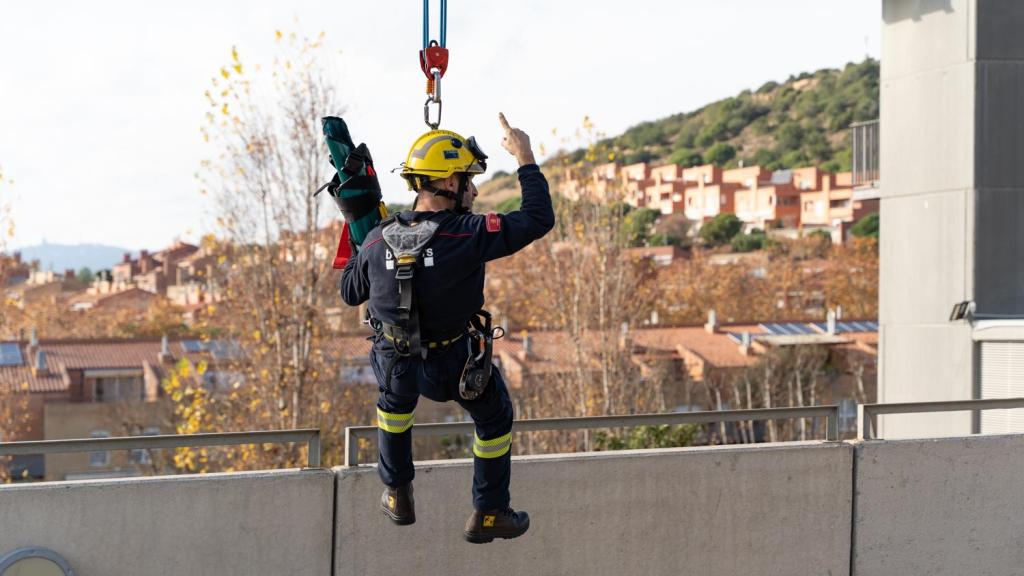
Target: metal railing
[
  {"x": 867, "y": 414},
  {"x": 831, "y": 412},
  {"x": 865, "y": 141},
  {"x": 310, "y": 437}
]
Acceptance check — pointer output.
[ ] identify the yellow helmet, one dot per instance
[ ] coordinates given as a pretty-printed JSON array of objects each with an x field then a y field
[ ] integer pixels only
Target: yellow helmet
[{"x": 441, "y": 153}]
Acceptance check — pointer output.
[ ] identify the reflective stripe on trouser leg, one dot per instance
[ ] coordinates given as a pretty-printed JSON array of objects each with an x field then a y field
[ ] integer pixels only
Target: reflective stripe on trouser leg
[
  {"x": 394, "y": 439},
  {"x": 494, "y": 448},
  {"x": 492, "y": 462},
  {"x": 394, "y": 423}
]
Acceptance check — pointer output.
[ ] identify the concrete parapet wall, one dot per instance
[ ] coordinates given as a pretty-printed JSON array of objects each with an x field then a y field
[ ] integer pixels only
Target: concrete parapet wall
[
  {"x": 773, "y": 509},
  {"x": 940, "y": 507},
  {"x": 251, "y": 523},
  {"x": 951, "y": 506}
]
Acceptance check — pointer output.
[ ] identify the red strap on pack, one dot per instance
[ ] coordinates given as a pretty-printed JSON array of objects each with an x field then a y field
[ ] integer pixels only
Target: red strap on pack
[
  {"x": 344, "y": 249},
  {"x": 433, "y": 57}
]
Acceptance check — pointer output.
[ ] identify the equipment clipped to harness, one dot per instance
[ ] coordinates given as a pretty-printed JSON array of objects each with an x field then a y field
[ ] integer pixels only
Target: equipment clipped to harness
[
  {"x": 354, "y": 188},
  {"x": 406, "y": 240},
  {"x": 477, "y": 372}
]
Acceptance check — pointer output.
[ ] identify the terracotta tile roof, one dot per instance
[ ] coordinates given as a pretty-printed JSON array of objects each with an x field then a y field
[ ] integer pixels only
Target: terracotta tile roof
[
  {"x": 550, "y": 352},
  {"x": 177, "y": 249},
  {"x": 715, "y": 349},
  {"x": 77, "y": 354},
  {"x": 16, "y": 377},
  {"x": 84, "y": 354}
]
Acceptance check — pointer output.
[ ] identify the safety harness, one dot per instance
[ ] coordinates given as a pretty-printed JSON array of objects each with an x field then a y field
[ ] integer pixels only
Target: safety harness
[{"x": 406, "y": 240}]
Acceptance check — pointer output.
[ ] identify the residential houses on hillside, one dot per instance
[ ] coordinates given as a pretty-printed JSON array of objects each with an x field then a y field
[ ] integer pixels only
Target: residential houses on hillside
[
  {"x": 181, "y": 273},
  {"x": 82, "y": 388},
  {"x": 96, "y": 388},
  {"x": 802, "y": 198},
  {"x": 691, "y": 363}
]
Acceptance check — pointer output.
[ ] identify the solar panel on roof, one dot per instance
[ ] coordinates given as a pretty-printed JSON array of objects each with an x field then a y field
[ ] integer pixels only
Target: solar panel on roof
[
  {"x": 191, "y": 346},
  {"x": 780, "y": 177},
  {"x": 787, "y": 329},
  {"x": 10, "y": 354},
  {"x": 843, "y": 327},
  {"x": 735, "y": 337},
  {"x": 224, "y": 349}
]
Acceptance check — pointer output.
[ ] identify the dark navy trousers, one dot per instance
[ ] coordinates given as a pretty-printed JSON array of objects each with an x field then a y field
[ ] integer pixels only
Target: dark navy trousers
[{"x": 437, "y": 378}]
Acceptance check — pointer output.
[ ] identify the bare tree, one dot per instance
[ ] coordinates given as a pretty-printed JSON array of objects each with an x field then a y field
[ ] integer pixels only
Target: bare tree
[
  {"x": 274, "y": 259},
  {"x": 581, "y": 281}
]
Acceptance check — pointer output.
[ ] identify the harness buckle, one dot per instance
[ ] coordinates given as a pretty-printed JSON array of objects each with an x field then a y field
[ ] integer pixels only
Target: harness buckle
[{"x": 404, "y": 272}]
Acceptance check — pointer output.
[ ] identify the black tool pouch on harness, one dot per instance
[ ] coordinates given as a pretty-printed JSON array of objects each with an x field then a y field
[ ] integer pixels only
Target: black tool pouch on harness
[
  {"x": 406, "y": 241},
  {"x": 476, "y": 375}
]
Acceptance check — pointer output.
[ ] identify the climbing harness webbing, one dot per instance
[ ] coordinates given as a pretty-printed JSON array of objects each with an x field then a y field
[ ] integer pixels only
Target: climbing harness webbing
[
  {"x": 406, "y": 240},
  {"x": 399, "y": 337}
]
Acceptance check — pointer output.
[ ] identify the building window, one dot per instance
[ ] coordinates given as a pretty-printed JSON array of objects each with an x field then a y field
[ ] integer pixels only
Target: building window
[
  {"x": 141, "y": 456},
  {"x": 99, "y": 459},
  {"x": 113, "y": 389}
]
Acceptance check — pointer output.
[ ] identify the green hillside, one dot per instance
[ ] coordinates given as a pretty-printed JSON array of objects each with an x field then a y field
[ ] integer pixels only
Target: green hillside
[{"x": 803, "y": 121}]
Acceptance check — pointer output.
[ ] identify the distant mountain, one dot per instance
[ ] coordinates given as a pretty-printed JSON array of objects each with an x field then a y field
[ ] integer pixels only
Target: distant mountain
[{"x": 59, "y": 257}]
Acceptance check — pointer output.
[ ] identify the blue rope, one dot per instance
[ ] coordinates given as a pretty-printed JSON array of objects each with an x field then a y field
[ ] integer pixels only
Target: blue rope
[
  {"x": 426, "y": 23},
  {"x": 444, "y": 22}
]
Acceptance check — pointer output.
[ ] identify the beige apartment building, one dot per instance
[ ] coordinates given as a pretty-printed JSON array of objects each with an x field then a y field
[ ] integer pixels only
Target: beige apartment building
[
  {"x": 793, "y": 199},
  {"x": 834, "y": 205}
]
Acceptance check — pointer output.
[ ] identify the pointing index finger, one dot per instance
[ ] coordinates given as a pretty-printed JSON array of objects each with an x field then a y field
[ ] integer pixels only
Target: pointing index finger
[{"x": 504, "y": 122}]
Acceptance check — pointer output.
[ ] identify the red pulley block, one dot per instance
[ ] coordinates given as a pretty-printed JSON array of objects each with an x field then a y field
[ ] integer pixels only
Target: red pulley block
[{"x": 433, "y": 57}]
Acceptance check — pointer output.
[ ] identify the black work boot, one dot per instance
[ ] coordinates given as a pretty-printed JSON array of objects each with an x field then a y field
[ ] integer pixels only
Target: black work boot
[
  {"x": 397, "y": 504},
  {"x": 486, "y": 525}
]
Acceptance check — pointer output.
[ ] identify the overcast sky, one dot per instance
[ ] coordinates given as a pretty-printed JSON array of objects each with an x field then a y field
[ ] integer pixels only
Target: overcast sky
[{"x": 101, "y": 101}]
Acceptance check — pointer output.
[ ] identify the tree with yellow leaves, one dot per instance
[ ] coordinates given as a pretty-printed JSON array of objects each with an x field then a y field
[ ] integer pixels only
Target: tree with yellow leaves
[
  {"x": 14, "y": 421},
  {"x": 274, "y": 267}
]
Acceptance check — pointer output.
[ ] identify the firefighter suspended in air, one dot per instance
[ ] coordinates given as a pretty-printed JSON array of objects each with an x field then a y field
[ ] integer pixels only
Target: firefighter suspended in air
[{"x": 422, "y": 272}]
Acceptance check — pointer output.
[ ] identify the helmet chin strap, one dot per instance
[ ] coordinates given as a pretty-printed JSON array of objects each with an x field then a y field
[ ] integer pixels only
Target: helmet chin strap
[
  {"x": 456, "y": 196},
  {"x": 463, "y": 187}
]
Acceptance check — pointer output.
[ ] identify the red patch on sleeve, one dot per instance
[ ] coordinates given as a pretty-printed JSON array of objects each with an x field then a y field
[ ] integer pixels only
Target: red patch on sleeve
[{"x": 493, "y": 222}]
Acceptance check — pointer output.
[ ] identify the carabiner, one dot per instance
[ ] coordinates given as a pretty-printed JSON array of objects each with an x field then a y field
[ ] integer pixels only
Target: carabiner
[
  {"x": 426, "y": 113},
  {"x": 434, "y": 95},
  {"x": 437, "y": 86}
]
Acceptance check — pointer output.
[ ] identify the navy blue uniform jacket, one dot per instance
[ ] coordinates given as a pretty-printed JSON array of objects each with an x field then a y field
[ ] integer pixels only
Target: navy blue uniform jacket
[{"x": 448, "y": 283}]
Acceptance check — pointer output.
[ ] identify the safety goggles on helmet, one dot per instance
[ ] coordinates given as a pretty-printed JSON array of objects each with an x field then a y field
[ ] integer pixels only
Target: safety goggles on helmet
[{"x": 474, "y": 149}]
